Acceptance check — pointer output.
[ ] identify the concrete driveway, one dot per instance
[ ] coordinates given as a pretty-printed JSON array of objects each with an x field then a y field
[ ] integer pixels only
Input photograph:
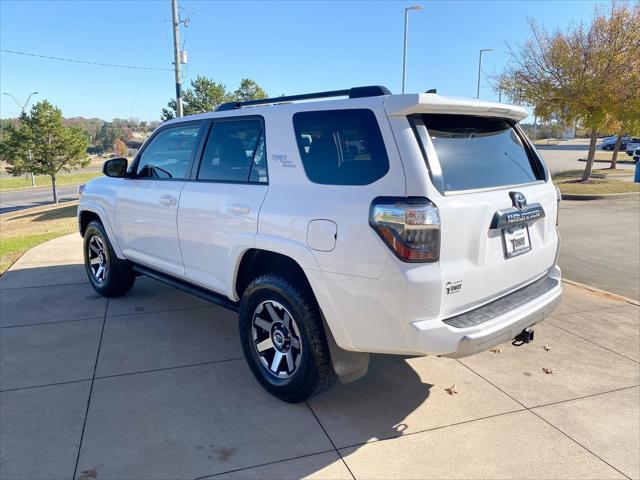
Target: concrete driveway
[{"x": 153, "y": 385}]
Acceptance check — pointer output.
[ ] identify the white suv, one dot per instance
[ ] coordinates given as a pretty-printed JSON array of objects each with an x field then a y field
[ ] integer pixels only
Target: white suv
[{"x": 402, "y": 224}]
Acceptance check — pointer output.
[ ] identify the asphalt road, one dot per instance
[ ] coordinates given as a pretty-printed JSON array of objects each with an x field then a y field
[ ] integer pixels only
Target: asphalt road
[
  {"x": 565, "y": 156},
  {"x": 34, "y": 197},
  {"x": 601, "y": 244}
]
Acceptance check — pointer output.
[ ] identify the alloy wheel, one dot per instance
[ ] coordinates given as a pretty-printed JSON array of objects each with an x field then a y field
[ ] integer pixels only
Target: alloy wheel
[
  {"x": 97, "y": 258},
  {"x": 276, "y": 339}
]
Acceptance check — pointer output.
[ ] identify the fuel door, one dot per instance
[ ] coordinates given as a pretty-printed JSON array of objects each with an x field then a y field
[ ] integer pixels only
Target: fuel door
[{"x": 321, "y": 235}]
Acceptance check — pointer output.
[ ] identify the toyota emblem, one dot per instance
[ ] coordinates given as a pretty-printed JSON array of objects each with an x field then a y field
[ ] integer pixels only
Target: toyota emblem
[{"x": 519, "y": 200}]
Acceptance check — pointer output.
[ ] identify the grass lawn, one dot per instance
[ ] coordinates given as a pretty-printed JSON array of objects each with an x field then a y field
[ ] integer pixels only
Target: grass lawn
[
  {"x": 605, "y": 155},
  {"x": 20, "y": 232},
  {"x": 597, "y": 187},
  {"x": 569, "y": 182},
  {"x": 597, "y": 173},
  {"x": 22, "y": 182}
]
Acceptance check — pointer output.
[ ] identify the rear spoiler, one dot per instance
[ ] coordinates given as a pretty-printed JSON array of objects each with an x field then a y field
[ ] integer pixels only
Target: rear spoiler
[{"x": 408, "y": 104}]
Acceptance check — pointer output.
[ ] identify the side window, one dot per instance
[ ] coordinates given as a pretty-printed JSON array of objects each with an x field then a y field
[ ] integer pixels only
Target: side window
[
  {"x": 234, "y": 150},
  {"x": 341, "y": 147},
  {"x": 169, "y": 153}
]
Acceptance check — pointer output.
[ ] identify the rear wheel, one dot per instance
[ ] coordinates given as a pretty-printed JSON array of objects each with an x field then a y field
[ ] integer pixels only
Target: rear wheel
[
  {"x": 109, "y": 276},
  {"x": 283, "y": 339}
]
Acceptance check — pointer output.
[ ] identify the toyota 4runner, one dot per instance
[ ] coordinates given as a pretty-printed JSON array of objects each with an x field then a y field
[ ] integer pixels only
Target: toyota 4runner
[{"x": 401, "y": 224}]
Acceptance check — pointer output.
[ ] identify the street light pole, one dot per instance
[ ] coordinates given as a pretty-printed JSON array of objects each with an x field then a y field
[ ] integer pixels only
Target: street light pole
[
  {"x": 404, "y": 51},
  {"x": 479, "y": 68},
  {"x": 22, "y": 108}
]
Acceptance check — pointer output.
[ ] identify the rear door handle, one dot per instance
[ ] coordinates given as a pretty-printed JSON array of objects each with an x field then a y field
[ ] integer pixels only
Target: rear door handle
[
  {"x": 168, "y": 200},
  {"x": 240, "y": 208}
]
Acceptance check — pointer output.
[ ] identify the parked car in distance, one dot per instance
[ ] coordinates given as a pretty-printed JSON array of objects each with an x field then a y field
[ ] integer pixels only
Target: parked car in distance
[
  {"x": 609, "y": 143},
  {"x": 337, "y": 227},
  {"x": 632, "y": 145},
  {"x": 636, "y": 154}
]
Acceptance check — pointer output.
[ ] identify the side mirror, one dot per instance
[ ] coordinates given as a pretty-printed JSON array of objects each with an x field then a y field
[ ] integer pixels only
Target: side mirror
[{"x": 116, "y": 167}]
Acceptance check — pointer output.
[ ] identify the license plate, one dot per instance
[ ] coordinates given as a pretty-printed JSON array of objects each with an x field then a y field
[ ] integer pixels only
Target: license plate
[{"x": 516, "y": 241}]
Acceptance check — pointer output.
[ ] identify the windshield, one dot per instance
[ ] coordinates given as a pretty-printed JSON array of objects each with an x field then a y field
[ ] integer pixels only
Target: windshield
[{"x": 477, "y": 152}]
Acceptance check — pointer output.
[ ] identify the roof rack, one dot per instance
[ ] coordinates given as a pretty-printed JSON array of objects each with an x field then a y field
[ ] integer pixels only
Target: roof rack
[{"x": 354, "y": 92}]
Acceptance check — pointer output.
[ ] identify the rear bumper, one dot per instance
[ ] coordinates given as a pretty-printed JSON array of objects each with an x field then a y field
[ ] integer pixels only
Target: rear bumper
[{"x": 491, "y": 324}]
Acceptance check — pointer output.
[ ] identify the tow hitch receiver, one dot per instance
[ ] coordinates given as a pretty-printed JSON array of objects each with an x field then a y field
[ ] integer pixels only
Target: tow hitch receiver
[{"x": 525, "y": 336}]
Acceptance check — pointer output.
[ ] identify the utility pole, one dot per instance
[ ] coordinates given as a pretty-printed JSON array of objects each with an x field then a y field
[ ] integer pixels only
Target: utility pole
[{"x": 176, "y": 56}]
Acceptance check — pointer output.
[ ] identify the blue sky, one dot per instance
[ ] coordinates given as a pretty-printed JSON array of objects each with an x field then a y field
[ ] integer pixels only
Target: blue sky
[{"x": 287, "y": 47}]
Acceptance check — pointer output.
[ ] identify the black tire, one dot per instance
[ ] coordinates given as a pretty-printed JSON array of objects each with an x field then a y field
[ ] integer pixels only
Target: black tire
[
  {"x": 117, "y": 278},
  {"x": 314, "y": 373}
]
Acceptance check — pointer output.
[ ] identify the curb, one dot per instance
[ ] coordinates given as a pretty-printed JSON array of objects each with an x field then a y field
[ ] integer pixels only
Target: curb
[
  {"x": 630, "y": 162},
  {"x": 597, "y": 196},
  {"x": 614, "y": 296}
]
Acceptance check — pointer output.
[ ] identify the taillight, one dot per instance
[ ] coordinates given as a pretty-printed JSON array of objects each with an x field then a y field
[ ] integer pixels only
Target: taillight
[{"x": 409, "y": 226}]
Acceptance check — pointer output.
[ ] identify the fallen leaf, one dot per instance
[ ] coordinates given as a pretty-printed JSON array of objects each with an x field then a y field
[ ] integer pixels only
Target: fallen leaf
[
  {"x": 495, "y": 350},
  {"x": 451, "y": 390},
  {"x": 548, "y": 371},
  {"x": 87, "y": 474},
  {"x": 547, "y": 347}
]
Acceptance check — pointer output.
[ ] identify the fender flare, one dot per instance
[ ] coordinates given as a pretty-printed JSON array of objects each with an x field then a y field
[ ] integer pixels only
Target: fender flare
[
  {"x": 104, "y": 218},
  {"x": 303, "y": 256}
]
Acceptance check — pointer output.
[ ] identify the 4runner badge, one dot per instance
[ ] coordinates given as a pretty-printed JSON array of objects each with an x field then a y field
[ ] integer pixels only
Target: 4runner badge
[
  {"x": 282, "y": 159},
  {"x": 453, "y": 287}
]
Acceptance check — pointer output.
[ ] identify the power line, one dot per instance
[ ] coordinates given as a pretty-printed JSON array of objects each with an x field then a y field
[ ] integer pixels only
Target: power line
[{"x": 134, "y": 67}]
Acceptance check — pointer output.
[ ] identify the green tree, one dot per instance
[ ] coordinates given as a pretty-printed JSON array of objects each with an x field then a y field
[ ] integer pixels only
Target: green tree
[
  {"x": 573, "y": 73},
  {"x": 205, "y": 95},
  {"x": 43, "y": 145},
  {"x": 105, "y": 137},
  {"x": 248, "y": 90}
]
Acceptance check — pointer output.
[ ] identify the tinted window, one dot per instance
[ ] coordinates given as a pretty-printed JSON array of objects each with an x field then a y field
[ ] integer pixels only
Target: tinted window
[
  {"x": 169, "y": 153},
  {"x": 258, "y": 172},
  {"x": 477, "y": 152},
  {"x": 233, "y": 149},
  {"x": 341, "y": 147}
]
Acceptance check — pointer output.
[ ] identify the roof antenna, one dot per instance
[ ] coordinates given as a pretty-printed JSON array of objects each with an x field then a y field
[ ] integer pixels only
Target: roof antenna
[{"x": 431, "y": 90}]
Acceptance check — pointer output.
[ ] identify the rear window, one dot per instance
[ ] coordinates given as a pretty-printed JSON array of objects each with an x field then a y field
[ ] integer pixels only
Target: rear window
[
  {"x": 478, "y": 152},
  {"x": 341, "y": 147}
]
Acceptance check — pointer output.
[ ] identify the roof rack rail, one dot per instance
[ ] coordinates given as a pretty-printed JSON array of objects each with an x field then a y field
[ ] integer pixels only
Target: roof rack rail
[{"x": 354, "y": 92}]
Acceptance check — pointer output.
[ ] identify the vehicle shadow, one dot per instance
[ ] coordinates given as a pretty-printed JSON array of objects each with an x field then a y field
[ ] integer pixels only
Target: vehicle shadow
[{"x": 372, "y": 408}]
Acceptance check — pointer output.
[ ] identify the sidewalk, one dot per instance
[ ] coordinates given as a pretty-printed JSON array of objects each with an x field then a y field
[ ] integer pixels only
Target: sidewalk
[{"x": 153, "y": 385}]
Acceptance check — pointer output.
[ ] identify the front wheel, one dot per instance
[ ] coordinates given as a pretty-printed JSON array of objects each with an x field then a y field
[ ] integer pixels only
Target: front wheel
[
  {"x": 109, "y": 276},
  {"x": 283, "y": 339}
]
